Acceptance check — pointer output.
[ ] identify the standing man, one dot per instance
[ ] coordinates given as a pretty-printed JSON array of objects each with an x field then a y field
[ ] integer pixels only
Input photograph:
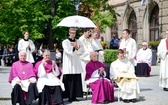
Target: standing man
[
  {"x": 72, "y": 67},
  {"x": 85, "y": 57},
  {"x": 163, "y": 55},
  {"x": 128, "y": 45},
  {"x": 96, "y": 45},
  {"x": 114, "y": 42},
  {"x": 27, "y": 45},
  {"x": 22, "y": 78}
]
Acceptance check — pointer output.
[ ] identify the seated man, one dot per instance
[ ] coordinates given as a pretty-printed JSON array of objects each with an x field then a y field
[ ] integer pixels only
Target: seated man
[
  {"x": 144, "y": 59},
  {"x": 49, "y": 86},
  {"x": 122, "y": 72},
  {"x": 22, "y": 79},
  {"x": 102, "y": 88}
]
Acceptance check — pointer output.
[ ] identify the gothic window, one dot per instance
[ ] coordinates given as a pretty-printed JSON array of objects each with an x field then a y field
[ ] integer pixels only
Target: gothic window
[
  {"x": 114, "y": 29},
  {"x": 132, "y": 25},
  {"x": 154, "y": 24}
]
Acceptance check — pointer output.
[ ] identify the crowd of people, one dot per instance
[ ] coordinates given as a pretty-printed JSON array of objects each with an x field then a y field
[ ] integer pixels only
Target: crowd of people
[{"x": 82, "y": 67}]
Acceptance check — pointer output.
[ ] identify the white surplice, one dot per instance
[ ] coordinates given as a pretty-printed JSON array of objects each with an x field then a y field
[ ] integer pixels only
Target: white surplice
[
  {"x": 22, "y": 46},
  {"x": 96, "y": 45},
  {"x": 129, "y": 85},
  {"x": 71, "y": 59},
  {"x": 85, "y": 58},
  {"x": 131, "y": 47},
  {"x": 95, "y": 76},
  {"x": 144, "y": 56},
  {"x": 49, "y": 79},
  {"x": 163, "y": 79},
  {"x": 24, "y": 83}
]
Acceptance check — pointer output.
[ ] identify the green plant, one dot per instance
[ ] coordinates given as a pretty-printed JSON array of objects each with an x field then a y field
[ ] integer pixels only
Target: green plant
[
  {"x": 153, "y": 44},
  {"x": 110, "y": 55}
]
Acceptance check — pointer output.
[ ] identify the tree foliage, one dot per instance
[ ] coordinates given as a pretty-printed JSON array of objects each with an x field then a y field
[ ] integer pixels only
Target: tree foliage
[
  {"x": 101, "y": 13},
  {"x": 32, "y": 15},
  {"x": 19, "y": 15}
]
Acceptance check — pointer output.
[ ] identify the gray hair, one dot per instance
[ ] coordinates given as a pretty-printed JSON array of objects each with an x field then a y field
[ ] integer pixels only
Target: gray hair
[
  {"x": 92, "y": 53},
  {"x": 22, "y": 52},
  {"x": 46, "y": 51}
]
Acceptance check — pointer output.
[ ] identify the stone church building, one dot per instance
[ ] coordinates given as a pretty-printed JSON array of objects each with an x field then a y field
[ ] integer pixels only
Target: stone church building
[{"x": 147, "y": 22}]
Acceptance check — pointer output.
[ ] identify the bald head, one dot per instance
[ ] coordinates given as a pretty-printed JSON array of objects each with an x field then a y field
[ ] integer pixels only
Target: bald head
[
  {"x": 22, "y": 55},
  {"x": 93, "y": 56}
]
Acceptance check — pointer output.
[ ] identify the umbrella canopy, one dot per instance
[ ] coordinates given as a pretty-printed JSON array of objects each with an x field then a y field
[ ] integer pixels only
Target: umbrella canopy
[{"x": 77, "y": 21}]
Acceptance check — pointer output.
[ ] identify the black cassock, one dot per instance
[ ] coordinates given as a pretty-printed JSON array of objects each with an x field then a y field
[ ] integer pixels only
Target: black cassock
[
  {"x": 18, "y": 97},
  {"x": 73, "y": 86},
  {"x": 51, "y": 95},
  {"x": 142, "y": 70}
]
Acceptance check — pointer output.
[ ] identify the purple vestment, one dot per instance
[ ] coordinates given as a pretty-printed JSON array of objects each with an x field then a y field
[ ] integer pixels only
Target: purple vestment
[
  {"x": 102, "y": 89},
  {"x": 22, "y": 70},
  {"x": 91, "y": 67},
  {"x": 47, "y": 66}
]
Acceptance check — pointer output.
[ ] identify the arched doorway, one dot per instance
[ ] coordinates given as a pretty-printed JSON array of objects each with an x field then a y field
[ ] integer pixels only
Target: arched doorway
[
  {"x": 114, "y": 28},
  {"x": 154, "y": 24},
  {"x": 132, "y": 25}
]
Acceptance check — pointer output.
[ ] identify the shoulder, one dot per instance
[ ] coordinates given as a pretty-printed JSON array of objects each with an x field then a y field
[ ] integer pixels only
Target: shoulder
[
  {"x": 30, "y": 40},
  {"x": 30, "y": 64},
  {"x": 66, "y": 40},
  {"x": 21, "y": 40},
  {"x": 133, "y": 40},
  {"x": 81, "y": 38},
  {"x": 15, "y": 63},
  {"x": 39, "y": 62},
  {"x": 140, "y": 49},
  {"x": 114, "y": 62}
]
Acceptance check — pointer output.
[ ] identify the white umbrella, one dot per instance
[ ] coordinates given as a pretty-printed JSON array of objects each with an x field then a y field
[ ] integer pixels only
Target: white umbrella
[{"x": 77, "y": 21}]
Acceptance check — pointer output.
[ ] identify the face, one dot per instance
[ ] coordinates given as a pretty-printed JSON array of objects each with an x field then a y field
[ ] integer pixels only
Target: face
[
  {"x": 144, "y": 46},
  {"x": 94, "y": 35},
  {"x": 86, "y": 34},
  {"x": 26, "y": 35},
  {"x": 120, "y": 56},
  {"x": 46, "y": 56},
  {"x": 22, "y": 56},
  {"x": 93, "y": 57},
  {"x": 125, "y": 34},
  {"x": 72, "y": 33}
]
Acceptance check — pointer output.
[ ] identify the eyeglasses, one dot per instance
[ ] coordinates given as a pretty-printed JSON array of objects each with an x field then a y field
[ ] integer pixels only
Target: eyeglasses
[{"x": 72, "y": 32}]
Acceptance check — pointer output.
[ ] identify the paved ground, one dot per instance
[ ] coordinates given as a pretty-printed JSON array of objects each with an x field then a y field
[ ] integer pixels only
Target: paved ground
[{"x": 151, "y": 93}]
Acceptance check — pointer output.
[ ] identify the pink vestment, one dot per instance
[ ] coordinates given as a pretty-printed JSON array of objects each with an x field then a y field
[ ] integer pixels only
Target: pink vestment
[
  {"x": 102, "y": 88},
  {"x": 22, "y": 70}
]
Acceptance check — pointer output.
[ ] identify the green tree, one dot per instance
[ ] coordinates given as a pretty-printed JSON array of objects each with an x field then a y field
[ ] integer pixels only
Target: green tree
[
  {"x": 33, "y": 15},
  {"x": 19, "y": 15},
  {"x": 101, "y": 13}
]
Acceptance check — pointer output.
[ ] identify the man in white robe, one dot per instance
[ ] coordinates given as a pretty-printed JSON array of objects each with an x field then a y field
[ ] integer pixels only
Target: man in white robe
[
  {"x": 163, "y": 55},
  {"x": 122, "y": 72},
  {"x": 128, "y": 44},
  {"x": 96, "y": 45},
  {"x": 85, "y": 57},
  {"x": 72, "y": 68},
  {"x": 27, "y": 45},
  {"x": 144, "y": 59}
]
